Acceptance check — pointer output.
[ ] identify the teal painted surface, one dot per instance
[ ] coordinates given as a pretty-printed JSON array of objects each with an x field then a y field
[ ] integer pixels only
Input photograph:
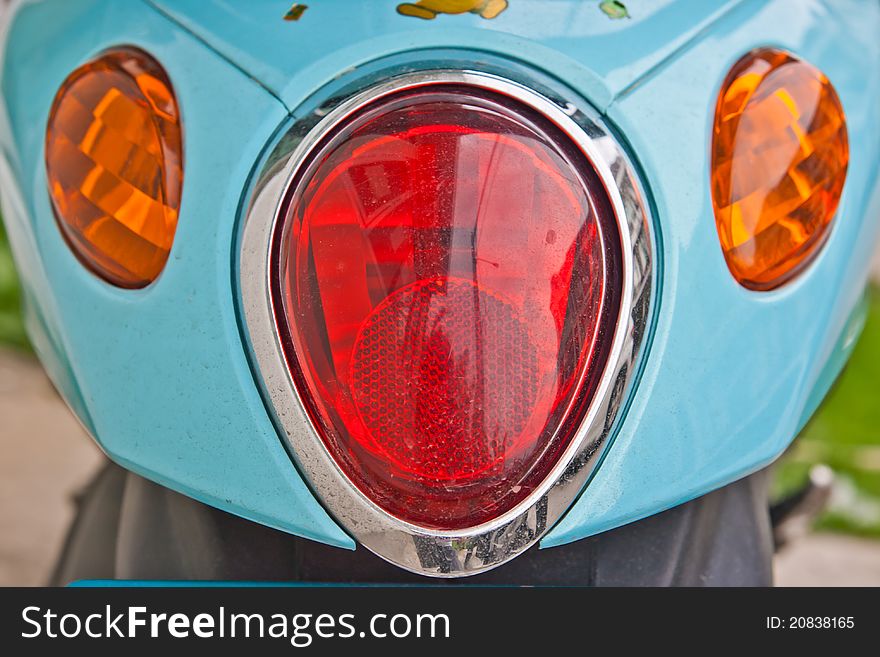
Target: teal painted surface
[
  {"x": 569, "y": 38},
  {"x": 159, "y": 375},
  {"x": 731, "y": 373}
]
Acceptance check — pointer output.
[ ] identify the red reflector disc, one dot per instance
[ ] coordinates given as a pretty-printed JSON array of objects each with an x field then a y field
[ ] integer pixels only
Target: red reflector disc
[
  {"x": 416, "y": 408},
  {"x": 448, "y": 276}
]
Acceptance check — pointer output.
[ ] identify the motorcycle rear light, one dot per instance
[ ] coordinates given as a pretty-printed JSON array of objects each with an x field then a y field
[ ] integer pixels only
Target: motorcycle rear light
[
  {"x": 114, "y": 165},
  {"x": 447, "y": 280},
  {"x": 779, "y": 158}
]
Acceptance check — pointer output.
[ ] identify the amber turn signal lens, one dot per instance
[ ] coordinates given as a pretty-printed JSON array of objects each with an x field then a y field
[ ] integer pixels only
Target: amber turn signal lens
[
  {"x": 114, "y": 165},
  {"x": 779, "y": 158}
]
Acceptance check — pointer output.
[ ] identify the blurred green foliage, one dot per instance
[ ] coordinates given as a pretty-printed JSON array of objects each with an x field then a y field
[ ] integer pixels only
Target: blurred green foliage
[{"x": 11, "y": 325}]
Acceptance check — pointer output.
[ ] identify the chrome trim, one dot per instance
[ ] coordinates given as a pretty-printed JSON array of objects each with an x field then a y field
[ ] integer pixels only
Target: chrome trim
[{"x": 476, "y": 549}]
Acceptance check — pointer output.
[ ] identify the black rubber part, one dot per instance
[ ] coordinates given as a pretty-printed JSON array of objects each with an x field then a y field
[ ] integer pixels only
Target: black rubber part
[{"x": 130, "y": 528}]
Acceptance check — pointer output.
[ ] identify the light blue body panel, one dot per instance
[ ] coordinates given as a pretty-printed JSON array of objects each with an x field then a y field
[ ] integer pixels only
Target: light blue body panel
[
  {"x": 732, "y": 375},
  {"x": 294, "y": 59},
  {"x": 161, "y": 376},
  {"x": 158, "y": 375}
]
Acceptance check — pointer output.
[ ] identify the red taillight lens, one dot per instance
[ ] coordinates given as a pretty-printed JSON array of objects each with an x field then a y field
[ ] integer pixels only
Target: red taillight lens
[{"x": 448, "y": 276}]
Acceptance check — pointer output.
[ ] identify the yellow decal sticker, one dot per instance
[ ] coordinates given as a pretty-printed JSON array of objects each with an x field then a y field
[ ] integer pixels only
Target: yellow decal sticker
[{"x": 428, "y": 9}]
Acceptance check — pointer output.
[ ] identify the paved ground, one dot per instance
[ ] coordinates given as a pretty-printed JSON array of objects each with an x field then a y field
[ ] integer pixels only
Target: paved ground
[
  {"x": 829, "y": 560},
  {"x": 45, "y": 457}
]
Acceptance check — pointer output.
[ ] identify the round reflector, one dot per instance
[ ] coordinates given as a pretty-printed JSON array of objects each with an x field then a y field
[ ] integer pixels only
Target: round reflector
[
  {"x": 448, "y": 279},
  {"x": 114, "y": 165},
  {"x": 779, "y": 158}
]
